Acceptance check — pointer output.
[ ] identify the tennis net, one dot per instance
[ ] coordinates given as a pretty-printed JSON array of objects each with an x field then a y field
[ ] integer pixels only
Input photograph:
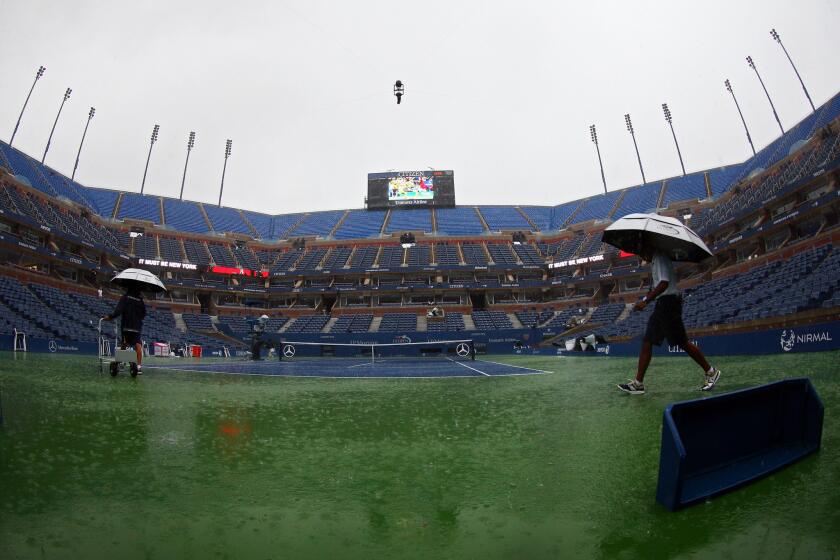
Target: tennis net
[{"x": 462, "y": 349}]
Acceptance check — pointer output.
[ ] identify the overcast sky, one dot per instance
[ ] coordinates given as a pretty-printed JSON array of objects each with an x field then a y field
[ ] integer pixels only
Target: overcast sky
[{"x": 503, "y": 93}]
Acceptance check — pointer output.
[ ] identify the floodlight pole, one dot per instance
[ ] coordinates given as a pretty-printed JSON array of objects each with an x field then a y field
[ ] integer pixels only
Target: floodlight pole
[
  {"x": 228, "y": 144},
  {"x": 60, "y": 107},
  {"x": 667, "y": 112},
  {"x": 747, "y": 130},
  {"x": 38, "y": 74},
  {"x": 629, "y": 124},
  {"x": 190, "y": 144},
  {"x": 79, "y": 153},
  {"x": 751, "y": 64},
  {"x": 779, "y": 40},
  {"x": 155, "y": 131},
  {"x": 594, "y": 135}
]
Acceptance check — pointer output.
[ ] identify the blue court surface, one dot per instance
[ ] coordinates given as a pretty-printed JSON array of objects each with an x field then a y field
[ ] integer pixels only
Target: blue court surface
[{"x": 356, "y": 368}]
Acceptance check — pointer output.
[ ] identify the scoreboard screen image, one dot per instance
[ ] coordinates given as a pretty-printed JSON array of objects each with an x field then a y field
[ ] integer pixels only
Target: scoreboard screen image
[{"x": 410, "y": 188}]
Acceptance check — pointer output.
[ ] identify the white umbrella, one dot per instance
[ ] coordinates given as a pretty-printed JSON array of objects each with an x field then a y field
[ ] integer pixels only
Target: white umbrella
[
  {"x": 634, "y": 232},
  {"x": 138, "y": 278}
]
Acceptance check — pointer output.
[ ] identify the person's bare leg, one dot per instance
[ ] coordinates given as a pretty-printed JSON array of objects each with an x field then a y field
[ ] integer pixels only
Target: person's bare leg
[
  {"x": 644, "y": 360},
  {"x": 139, "y": 349},
  {"x": 696, "y": 355}
]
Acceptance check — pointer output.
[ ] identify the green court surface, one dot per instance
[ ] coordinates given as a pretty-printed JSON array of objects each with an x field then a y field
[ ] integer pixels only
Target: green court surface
[{"x": 181, "y": 464}]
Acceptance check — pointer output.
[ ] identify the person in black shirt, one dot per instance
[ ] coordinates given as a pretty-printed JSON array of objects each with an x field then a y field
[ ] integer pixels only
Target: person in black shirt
[{"x": 132, "y": 310}]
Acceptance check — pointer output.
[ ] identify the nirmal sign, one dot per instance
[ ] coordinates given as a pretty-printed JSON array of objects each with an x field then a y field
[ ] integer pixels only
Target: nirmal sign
[{"x": 789, "y": 339}]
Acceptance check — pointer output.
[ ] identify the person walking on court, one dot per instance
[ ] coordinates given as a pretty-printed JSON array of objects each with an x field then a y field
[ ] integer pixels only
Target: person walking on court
[
  {"x": 665, "y": 322},
  {"x": 132, "y": 309}
]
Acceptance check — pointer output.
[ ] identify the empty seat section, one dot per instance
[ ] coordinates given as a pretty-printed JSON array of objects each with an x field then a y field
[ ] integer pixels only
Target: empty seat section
[
  {"x": 364, "y": 257},
  {"x": 528, "y": 254},
  {"x": 452, "y": 321},
  {"x": 283, "y": 224},
  {"x": 596, "y": 207},
  {"x": 287, "y": 260},
  {"x": 140, "y": 207},
  {"x": 337, "y": 258},
  {"x": 183, "y": 216},
  {"x": 419, "y": 219},
  {"x": 360, "y": 224},
  {"x": 311, "y": 259},
  {"x": 226, "y": 219},
  {"x": 446, "y": 255},
  {"x": 501, "y": 218},
  {"x": 196, "y": 252},
  {"x": 501, "y": 254},
  {"x": 419, "y": 255},
  {"x": 317, "y": 223},
  {"x": 221, "y": 255},
  {"x": 103, "y": 200},
  {"x": 263, "y": 223},
  {"x": 690, "y": 187},
  {"x": 474, "y": 254},
  {"x": 639, "y": 199},
  {"x": 170, "y": 249},
  {"x": 398, "y": 322},
  {"x": 391, "y": 256},
  {"x": 461, "y": 220}
]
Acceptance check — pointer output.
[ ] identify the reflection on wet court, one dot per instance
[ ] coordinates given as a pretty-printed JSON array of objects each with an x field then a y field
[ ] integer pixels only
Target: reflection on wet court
[{"x": 181, "y": 463}]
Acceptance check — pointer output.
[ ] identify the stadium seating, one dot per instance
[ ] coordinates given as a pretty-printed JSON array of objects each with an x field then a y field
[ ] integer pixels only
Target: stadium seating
[
  {"x": 140, "y": 207},
  {"x": 504, "y": 218},
  {"x": 474, "y": 254},
  {"x": 452, "y": 322},
  {"x": 398, "y": 322},
  {"x": 490, "y": 320},
  {"x": 308, "y": 324},
  {"x": 391, "y": 256},
  {"x": 419, "y": 219},
  {"x": 461, "y": 220},
  {"x": 597, "y": 207},
  {"x": 224, "y": 219},
  {"x": 183, "y": 216},
  {"x": 360, "y": 224},
  {"x": 352, "y": 323},
  {"x": 689, "y": 187},
  {"x": 317, "y": 223}
]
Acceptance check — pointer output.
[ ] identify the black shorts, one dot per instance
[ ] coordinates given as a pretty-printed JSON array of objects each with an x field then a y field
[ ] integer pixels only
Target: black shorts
[
  {"x": 130, "y": 338},
  {"x": 666, "y": 322}
]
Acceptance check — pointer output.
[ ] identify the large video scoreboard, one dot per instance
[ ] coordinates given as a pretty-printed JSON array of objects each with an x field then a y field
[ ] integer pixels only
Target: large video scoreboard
[{"x": 410, "y": 189}]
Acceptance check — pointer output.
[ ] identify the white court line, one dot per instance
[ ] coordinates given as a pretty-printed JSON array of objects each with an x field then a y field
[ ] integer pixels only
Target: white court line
[
  {"x": 511, "y": 365},
  {"x": 332, "y": 376},
  {"x": 468, "y": 367}
]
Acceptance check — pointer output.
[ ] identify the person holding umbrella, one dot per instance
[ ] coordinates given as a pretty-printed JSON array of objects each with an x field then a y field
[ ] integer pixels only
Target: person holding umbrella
[
  {"x": 659, "y": 241},
  {"x": 132, "y": 308}
]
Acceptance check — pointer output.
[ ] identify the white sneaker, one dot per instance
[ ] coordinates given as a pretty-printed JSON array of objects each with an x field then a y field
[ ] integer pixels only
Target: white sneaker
[
  {"x": 633, "y": 387},
  {"x": 710, "y": 380}
]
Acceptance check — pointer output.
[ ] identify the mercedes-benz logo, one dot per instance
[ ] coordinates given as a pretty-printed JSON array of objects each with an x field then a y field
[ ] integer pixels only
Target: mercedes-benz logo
[
  {"x": 463, "y": 349},
  {"x": 53, "y": 346},
  {"x": 288, "y": 351}
]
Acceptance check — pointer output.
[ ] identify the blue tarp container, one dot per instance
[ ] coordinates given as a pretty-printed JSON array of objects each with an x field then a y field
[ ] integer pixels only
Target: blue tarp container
[{"x": 714, "y": 445}]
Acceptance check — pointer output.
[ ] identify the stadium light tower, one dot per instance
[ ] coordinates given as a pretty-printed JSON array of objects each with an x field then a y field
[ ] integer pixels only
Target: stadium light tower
[
  {"x": 629, "y": 124},
  {"x": 729, "y": 89},
  {"x": 38, "y": 74},
  {"x": 668, "y": 118},
  {"x": 752, "y": 65},
  {"x": 87, "y": 124},
  {"x": 60, "y": 107},
  {"x": 228, "y": 144},
  {"x": 779, "y": 40},
  {"x": 594, "y": 135},
  {"x": 190, "y": 144},
  {"x": 155, "y": 131}
]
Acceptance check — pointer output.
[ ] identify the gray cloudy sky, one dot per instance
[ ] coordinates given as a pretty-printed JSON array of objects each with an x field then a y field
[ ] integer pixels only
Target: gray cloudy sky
[{"x": 501, "y": 92}]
